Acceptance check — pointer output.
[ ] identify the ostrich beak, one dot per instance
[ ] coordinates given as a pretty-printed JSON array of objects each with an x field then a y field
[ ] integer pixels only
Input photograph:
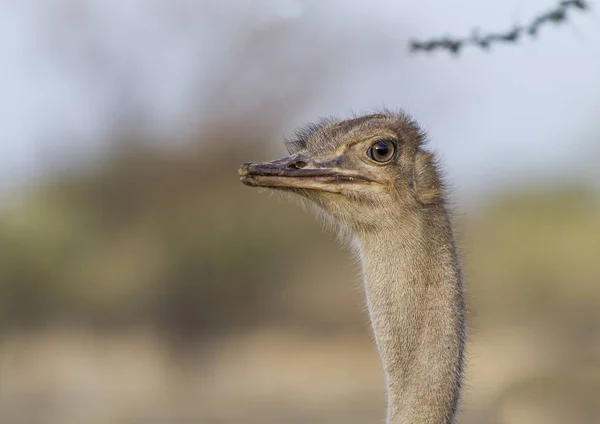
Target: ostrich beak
[{"x": 294, "y": 172}]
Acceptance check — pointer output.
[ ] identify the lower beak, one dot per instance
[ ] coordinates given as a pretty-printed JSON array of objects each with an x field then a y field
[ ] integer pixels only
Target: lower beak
[{"x": 295, "y": 174}]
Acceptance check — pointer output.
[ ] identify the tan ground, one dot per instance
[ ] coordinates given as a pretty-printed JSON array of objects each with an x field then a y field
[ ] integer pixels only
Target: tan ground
[{"x": 265, "y": 376}]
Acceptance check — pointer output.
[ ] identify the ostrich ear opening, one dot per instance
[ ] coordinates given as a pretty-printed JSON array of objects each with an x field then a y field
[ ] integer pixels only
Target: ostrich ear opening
[{"x": 426, "y": 181}]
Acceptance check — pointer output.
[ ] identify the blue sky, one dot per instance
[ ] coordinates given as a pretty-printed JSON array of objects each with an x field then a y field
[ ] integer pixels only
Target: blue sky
[{"x": 75, "y": 71}]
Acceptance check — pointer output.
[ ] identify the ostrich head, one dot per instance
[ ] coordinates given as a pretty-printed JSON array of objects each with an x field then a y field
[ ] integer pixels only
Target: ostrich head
[{"x": 365, "y": 173}]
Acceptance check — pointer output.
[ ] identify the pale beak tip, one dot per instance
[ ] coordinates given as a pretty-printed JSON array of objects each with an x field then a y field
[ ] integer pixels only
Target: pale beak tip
[{"x": 244, "y": 169}]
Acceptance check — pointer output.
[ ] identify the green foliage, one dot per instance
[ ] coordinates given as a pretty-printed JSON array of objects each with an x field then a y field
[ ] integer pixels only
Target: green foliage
[
  {"x": 141, "y": 238},
  {"x": 175, "y": 241},
  {"x": 535, "y": 250}
]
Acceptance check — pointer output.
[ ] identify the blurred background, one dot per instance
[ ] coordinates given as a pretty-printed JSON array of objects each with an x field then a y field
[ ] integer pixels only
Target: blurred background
[{"x": 140, "y": 282}]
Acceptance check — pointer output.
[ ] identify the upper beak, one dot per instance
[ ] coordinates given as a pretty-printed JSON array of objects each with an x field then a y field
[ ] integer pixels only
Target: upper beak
[{"x": 295, "y": 172}]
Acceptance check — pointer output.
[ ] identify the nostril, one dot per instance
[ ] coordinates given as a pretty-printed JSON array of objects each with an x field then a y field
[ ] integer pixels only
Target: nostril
[{"x": 297, "y": 165}]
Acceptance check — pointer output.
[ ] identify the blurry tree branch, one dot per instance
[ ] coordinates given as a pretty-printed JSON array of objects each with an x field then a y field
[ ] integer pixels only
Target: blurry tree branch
[{"x": 555, "y": 16}]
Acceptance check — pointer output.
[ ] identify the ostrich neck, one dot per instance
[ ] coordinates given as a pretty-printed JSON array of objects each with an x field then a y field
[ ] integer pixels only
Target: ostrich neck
[{"x": 414, "y": 293}]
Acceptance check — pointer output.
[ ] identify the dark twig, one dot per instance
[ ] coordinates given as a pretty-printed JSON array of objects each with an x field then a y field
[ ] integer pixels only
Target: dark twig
[{"x": 454, "y": 46}]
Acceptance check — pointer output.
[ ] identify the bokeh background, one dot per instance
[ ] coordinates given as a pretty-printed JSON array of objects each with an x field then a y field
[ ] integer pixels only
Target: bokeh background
[{"x": 140, "y": 282}]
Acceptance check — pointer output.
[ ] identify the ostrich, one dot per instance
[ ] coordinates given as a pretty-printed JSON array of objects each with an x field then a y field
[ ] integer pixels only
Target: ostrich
[{"x": 372, "y": 178}]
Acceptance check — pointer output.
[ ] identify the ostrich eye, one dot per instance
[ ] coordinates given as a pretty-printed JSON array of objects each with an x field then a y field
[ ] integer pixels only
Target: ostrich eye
[{"x": 382, "y": 151}]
